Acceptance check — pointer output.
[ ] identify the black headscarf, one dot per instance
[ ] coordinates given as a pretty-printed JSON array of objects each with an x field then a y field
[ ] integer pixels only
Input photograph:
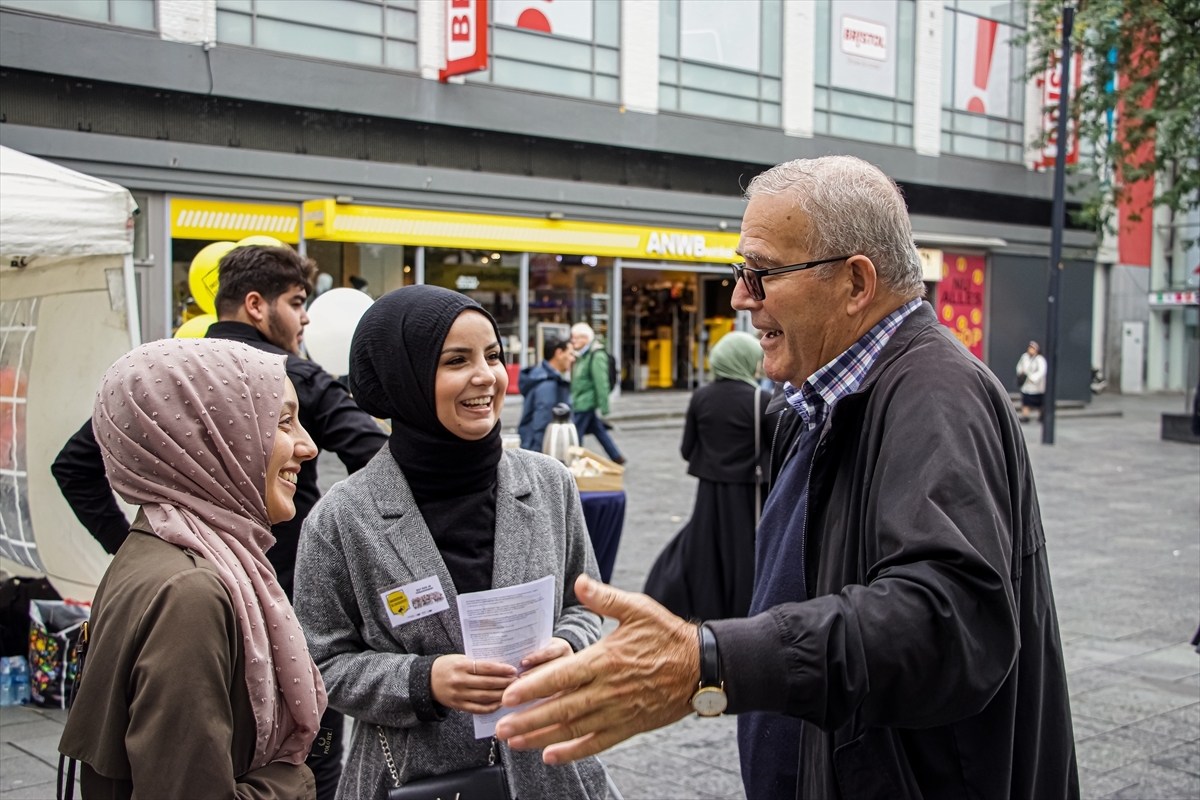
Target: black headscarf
[{"x": 393, "y": 368}]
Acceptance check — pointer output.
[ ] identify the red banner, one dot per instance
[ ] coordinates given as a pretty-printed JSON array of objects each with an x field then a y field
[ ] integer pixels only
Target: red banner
[
  {"x": 466, "y": 37},
  {"x": 960, "y": 299}
]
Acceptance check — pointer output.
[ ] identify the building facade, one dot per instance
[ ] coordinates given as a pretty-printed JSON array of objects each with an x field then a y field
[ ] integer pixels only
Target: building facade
[{"x": 592, "y": 172}]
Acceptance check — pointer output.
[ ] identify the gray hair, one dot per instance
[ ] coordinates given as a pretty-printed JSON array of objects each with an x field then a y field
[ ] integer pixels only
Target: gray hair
[{"x": 852, "y": 207}]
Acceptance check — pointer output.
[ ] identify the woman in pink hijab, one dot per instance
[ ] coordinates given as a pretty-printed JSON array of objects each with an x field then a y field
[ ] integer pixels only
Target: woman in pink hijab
[{"x": 198, "y": 681}]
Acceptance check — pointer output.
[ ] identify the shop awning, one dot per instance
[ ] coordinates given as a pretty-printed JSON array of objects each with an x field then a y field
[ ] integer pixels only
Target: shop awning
[{"x": 327, "y": 219}]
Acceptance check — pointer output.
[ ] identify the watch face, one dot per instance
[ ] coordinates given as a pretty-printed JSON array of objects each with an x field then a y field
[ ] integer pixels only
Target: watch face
[{"x": 709, "y": 701}]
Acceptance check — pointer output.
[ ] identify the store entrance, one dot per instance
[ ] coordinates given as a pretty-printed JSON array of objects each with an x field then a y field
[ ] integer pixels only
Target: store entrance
[{"x": 670, "y": 318}]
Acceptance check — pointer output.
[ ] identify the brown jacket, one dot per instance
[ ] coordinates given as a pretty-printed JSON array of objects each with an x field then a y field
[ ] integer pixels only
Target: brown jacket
[{"x": 162, "y": 709}]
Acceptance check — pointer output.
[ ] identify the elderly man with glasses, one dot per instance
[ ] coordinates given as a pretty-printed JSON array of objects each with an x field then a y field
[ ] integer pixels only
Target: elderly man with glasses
[{"x": 902, "y": 639}]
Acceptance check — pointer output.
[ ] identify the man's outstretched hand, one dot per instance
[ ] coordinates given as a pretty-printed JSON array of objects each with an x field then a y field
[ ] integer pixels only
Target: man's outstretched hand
[{"x": 638, "y": 678}]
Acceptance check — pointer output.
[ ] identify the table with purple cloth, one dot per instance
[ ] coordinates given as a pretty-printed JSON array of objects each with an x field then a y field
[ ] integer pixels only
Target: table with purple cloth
[{"x": 604, "y": 514}]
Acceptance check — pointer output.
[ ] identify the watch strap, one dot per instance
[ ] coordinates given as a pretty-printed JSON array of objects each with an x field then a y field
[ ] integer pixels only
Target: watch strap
[{"x": 710, "y": 658}]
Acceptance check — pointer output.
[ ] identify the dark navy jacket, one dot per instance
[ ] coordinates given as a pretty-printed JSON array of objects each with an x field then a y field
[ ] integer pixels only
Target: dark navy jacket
[{"x": 543, "y": 387}]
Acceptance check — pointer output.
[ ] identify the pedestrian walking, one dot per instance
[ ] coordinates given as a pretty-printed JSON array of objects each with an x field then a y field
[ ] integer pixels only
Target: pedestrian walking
[
  {"x": 590, "y": 387},
  {"x": 197, "y": 681},
  {"x": 260, "y": 303},
  {"x": 443, "y": 503},
  {"x": 1031, "y": 378},
  {"x": 543, "y": 387},
  {"x": 707, "y": 570},
  {"x": 902, "y": 640}
]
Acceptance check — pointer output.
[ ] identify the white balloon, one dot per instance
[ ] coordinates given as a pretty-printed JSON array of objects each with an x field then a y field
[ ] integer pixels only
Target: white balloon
[{"x": 332, "y": 318}]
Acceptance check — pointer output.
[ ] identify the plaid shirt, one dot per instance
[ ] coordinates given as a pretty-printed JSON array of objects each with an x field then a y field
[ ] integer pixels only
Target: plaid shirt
[{"x": 845, "y": 373}]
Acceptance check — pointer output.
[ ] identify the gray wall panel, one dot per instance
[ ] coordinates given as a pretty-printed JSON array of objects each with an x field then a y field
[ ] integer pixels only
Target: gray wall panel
[
  {"x": 1018, "y": 314},
  {"x": 86, "y": 51}
]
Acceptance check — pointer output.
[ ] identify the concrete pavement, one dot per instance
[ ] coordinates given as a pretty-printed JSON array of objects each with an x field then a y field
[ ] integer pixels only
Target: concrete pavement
[{"x": 1122, "y": 516}]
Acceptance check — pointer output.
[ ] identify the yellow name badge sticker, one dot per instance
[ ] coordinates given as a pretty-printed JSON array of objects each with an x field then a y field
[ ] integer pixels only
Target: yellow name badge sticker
[{"x": 412, "y": 601}]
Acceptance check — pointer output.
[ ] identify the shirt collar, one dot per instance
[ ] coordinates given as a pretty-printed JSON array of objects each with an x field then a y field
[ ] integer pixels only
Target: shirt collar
[{"x": 845, "y": 373}]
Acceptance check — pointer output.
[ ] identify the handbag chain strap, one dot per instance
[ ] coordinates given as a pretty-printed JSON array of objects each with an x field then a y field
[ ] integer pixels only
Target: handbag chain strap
[
  {"x": 391, "y": 764},
  {"x": 387, "y": 756}
]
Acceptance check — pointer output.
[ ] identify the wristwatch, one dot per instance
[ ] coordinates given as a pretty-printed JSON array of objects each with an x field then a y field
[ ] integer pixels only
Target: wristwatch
[{"x": 709, "y": 700}]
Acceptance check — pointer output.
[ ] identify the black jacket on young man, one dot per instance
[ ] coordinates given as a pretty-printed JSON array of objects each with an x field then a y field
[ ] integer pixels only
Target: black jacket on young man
[
  {"x": 327, "y": 412},
  {"x": 926, "y": 662}
]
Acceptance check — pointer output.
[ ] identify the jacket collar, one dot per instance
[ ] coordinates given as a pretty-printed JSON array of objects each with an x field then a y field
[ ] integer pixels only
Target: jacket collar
[
  {"x": 243, "y": 332},
  {"x": 920, "y": 319}
]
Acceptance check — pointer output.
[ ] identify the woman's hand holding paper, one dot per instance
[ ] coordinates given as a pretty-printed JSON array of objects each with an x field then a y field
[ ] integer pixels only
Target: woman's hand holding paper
[{"x": 468, "y": 685}]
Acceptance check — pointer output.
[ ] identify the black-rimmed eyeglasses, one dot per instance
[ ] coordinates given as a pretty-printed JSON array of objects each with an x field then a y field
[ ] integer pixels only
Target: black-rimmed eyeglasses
[{"x": 753, "y": 276}]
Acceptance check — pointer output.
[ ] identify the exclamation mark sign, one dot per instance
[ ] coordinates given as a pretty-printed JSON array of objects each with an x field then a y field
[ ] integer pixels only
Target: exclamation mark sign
[{"x": 985, "y": 44}]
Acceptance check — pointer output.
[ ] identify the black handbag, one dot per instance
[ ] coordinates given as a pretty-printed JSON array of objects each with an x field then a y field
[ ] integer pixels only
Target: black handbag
[{"x": 476, "y": 783}]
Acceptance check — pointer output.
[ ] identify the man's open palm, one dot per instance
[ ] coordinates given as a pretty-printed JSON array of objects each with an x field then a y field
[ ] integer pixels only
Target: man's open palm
[{"x": 638, "y": 678}]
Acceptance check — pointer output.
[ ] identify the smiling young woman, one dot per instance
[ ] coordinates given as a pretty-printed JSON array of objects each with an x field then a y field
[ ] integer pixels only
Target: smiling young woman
[
  {"x": 197, "y": 672},
  {"x": 442, "y": 509}
]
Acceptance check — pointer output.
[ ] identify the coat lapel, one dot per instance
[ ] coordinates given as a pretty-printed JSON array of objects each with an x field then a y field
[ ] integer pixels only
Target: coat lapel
[
  {"x": 515, "y": 522},
  {"x": 409, "y": 537}
]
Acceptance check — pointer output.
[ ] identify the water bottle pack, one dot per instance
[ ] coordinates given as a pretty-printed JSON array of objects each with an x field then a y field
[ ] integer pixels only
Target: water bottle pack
[{"x": 14, "y": 681}]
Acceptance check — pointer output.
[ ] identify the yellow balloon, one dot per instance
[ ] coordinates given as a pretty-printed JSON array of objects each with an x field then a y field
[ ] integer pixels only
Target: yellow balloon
[
  {"x": 202, "y": 275},
  {"x": 261, "y": 241},
  {"x": 196, "y": 327}
]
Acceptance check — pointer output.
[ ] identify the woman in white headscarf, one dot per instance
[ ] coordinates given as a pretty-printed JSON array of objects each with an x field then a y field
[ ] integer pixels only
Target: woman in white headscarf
[{"x": 198, "y": 681}]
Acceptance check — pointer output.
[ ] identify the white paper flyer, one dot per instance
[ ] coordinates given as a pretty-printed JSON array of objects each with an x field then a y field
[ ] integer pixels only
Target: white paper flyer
[{"x": 505, "y": 625}]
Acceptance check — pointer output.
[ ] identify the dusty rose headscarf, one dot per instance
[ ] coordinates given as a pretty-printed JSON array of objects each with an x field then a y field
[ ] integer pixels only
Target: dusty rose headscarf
[{"x": 187, "y": 428}]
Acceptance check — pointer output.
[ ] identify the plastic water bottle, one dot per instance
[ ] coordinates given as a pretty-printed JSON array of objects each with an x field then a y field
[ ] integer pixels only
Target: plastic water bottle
[
  {"x": 6, "y": 695},
  {"x": 20, "y": 681}
]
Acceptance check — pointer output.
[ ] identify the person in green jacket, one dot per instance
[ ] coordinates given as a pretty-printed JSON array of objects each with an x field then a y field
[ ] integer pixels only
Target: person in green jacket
[{"x": 590, "y": 388}]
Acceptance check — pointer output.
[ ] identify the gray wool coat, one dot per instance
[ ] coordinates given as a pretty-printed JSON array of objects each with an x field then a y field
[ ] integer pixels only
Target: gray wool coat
[{"x": 367, "y": 534}]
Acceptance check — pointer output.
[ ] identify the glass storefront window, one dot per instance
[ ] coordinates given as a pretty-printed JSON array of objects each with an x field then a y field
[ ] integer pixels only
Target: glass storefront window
[
  {"x": 491, "y": 279},
  {"x": 371, "y": 268},
  {"x": 564, "y": 290}
]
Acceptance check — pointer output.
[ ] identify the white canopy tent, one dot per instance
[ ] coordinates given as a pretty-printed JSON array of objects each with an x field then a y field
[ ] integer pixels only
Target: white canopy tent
[{"x": 68, "y": 310}]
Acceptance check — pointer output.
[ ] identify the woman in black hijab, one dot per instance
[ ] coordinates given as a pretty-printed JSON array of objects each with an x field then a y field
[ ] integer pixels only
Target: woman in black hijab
[{"x": 442, "y": 511}]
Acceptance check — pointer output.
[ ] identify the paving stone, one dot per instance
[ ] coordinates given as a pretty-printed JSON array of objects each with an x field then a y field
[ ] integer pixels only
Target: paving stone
[
  {"x": 1172, "y": 663},
  {"x": 1085, "y": 680},
  {"x": 11, "y": 716},
  {"x": 1108, "y": 751},
  {"x": 1126, "y": 703},
  {"x": 1181, "y": 723},
  {"x": 32, "y": 730},
  {"x": 1093, "y": 785},
  {"x": 1184, "y": 757},
  {"x": 1085, "y": 727},
  {"x": 23, "y": 770},
  {"x": 1148, "y": 781},
  {"x": 637, "y": 786}
]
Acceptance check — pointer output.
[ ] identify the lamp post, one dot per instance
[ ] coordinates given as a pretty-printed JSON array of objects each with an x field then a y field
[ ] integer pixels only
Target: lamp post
[{"x": 1049, "y": 399}]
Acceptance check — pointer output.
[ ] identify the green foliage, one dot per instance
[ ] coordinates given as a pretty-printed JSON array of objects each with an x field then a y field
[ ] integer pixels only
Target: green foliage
[{"x": 1156, "y": 44}]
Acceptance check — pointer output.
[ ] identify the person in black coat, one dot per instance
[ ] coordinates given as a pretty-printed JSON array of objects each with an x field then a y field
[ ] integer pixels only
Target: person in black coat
[
  {"x": 707, "y": 570},
  {"x": 260, "y": 302}
]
